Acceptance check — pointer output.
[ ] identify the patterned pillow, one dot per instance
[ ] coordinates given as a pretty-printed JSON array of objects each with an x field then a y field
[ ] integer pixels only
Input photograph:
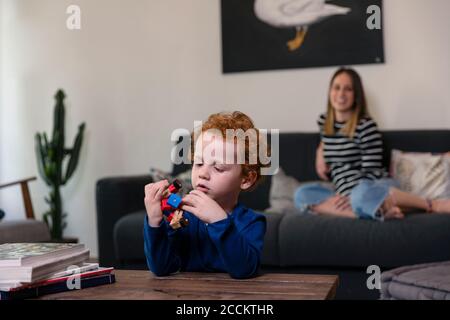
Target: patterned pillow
[
  {"x": 423, "y": 174},
  {"x": 184, "y": 178},
  {"x": 281, "y": 196},
  {"x": 282, "y": 189}
]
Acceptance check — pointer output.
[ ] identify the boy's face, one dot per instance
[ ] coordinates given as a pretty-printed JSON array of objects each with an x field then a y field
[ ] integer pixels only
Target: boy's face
[{"x": 212, "y": 174}]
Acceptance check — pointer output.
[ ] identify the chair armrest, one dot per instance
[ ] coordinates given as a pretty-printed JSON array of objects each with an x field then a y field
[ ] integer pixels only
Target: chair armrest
[
  {"x": 116, "y": 197},
  {"x": 25, "y": 195}
]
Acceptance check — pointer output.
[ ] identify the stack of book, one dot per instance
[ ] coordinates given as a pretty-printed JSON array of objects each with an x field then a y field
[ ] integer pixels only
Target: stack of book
[{"x": 29, "y": 270}]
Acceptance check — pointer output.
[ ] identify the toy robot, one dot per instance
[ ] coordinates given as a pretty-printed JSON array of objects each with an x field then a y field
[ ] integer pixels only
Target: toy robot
[{"x": 170, "y": 206}]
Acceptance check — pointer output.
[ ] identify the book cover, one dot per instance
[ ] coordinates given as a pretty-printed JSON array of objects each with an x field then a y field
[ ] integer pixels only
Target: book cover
[
  {"x": 56, "y": 287},
  {"x": 23, "y": 254}
]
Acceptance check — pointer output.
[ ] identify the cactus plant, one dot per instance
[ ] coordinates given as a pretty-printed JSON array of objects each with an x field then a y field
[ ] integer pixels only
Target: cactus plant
[{"x": 53, "y": 167}]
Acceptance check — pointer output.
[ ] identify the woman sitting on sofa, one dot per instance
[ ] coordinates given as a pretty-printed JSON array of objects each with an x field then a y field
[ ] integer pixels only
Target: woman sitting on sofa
[{"x": 350, "y": 154}]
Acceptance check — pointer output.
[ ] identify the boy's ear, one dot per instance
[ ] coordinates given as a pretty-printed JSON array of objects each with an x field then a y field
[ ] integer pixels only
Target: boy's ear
[{"x": 248, "y": 181}]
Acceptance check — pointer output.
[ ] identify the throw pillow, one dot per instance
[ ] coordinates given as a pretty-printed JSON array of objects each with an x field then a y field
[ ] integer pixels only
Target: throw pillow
[
  {"x": 424, "y": 174},
  {"x": 282, "y": 189},
  {"x": 184, "y": 178}
]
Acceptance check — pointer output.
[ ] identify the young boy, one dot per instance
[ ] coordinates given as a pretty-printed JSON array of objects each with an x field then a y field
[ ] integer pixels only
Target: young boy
[{"x": 222, "y": 235}]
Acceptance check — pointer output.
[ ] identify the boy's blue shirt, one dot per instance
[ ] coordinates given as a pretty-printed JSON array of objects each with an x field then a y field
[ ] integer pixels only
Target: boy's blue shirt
[{"x": 232, "y": 245}]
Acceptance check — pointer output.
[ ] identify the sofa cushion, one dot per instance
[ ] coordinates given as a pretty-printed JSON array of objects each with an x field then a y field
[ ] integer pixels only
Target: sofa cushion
[
  {"x": 129, "y": 237},
  {"x": 270, "y": 255},
  {"x": 310, "y": 240}
]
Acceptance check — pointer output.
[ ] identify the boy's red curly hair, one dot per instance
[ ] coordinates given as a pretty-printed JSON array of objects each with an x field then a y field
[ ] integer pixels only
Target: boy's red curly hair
[{"x": 234, "y": 120}]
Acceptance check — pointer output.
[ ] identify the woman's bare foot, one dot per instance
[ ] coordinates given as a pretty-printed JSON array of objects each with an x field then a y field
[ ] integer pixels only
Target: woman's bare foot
[
  {"x": 440, "y": 206},
  {"x": 390, "y": 210},
  {"x": 329, "y": 207}
]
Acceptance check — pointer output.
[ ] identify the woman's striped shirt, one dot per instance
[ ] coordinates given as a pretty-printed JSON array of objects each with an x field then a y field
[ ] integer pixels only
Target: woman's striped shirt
[{"x": 353, "y": 159}]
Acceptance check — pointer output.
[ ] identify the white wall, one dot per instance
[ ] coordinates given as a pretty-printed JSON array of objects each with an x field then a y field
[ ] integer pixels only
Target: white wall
[{"x": 138, "y": 70}]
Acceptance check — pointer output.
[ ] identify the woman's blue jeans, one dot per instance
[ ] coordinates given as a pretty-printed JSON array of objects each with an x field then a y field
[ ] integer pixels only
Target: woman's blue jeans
[{"x": 366, "y": 198}]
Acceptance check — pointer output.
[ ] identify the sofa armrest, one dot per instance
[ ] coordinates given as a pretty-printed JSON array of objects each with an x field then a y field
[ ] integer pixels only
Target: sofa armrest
[{"x": 116, "y": 197}]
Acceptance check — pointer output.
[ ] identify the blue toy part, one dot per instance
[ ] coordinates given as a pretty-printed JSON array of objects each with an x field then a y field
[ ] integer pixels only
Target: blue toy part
[{"x": 174, "y": 200}]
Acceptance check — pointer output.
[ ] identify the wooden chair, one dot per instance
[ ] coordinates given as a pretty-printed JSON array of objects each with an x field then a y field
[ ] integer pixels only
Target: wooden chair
[
  {"x": 26, "y": 230},
  {"x": 25, "y": 194}
]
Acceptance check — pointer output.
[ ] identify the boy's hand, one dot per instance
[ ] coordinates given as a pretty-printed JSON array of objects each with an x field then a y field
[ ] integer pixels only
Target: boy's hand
[
  {"x": 202, "y": 206},
  {"x": 152, "y": 200}
]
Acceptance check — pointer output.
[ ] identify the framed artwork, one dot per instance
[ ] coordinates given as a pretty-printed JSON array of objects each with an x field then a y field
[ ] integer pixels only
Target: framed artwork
[{"x": 283, "y": 34}]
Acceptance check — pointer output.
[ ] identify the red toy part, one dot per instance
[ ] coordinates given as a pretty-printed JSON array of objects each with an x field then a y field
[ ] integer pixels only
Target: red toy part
[
  {"x": 173, "y": 188},
  {"x": 165, "y": 206},
  {"x": 170, "y": 217}
]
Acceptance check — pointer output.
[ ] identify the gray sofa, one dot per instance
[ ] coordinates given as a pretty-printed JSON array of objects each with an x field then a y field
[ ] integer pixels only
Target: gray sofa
[{"x": 296, "y": 243}]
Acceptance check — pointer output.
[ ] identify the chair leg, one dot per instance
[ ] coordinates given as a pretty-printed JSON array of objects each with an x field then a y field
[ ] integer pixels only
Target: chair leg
[{"x": 27, "y": 200}]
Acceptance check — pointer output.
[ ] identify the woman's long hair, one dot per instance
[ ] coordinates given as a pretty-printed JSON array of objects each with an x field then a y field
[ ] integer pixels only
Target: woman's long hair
[{"x": 359, "y": 107}]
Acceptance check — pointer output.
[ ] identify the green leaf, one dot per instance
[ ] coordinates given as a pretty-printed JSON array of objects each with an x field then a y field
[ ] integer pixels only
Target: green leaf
[
  {"x": 73, "y": 162},
  {"x": 46, "y": 144},
  {"x": 41, "y": 159}
]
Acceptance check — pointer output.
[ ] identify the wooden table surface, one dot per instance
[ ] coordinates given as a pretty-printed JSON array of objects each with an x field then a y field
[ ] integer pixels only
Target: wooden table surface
[{"x": 143, "y": 285}]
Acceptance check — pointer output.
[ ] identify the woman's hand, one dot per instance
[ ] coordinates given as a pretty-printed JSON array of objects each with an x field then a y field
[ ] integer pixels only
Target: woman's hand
[
  {"x": 202, "y": 206},
  {"x": 322, "y": 168},
  {"x": 152, "y": 200}
]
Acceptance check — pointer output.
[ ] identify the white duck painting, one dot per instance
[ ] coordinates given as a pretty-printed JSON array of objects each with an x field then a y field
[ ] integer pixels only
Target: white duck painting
[{"x": 298, "y": 14}]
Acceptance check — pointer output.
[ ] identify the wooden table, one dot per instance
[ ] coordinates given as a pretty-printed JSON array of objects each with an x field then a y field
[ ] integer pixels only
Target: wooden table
[{"x": 143, "y": 285}]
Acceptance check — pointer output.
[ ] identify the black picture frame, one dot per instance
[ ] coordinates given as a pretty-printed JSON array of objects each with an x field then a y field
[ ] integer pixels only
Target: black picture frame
[{"x": 250, "y": 44}]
